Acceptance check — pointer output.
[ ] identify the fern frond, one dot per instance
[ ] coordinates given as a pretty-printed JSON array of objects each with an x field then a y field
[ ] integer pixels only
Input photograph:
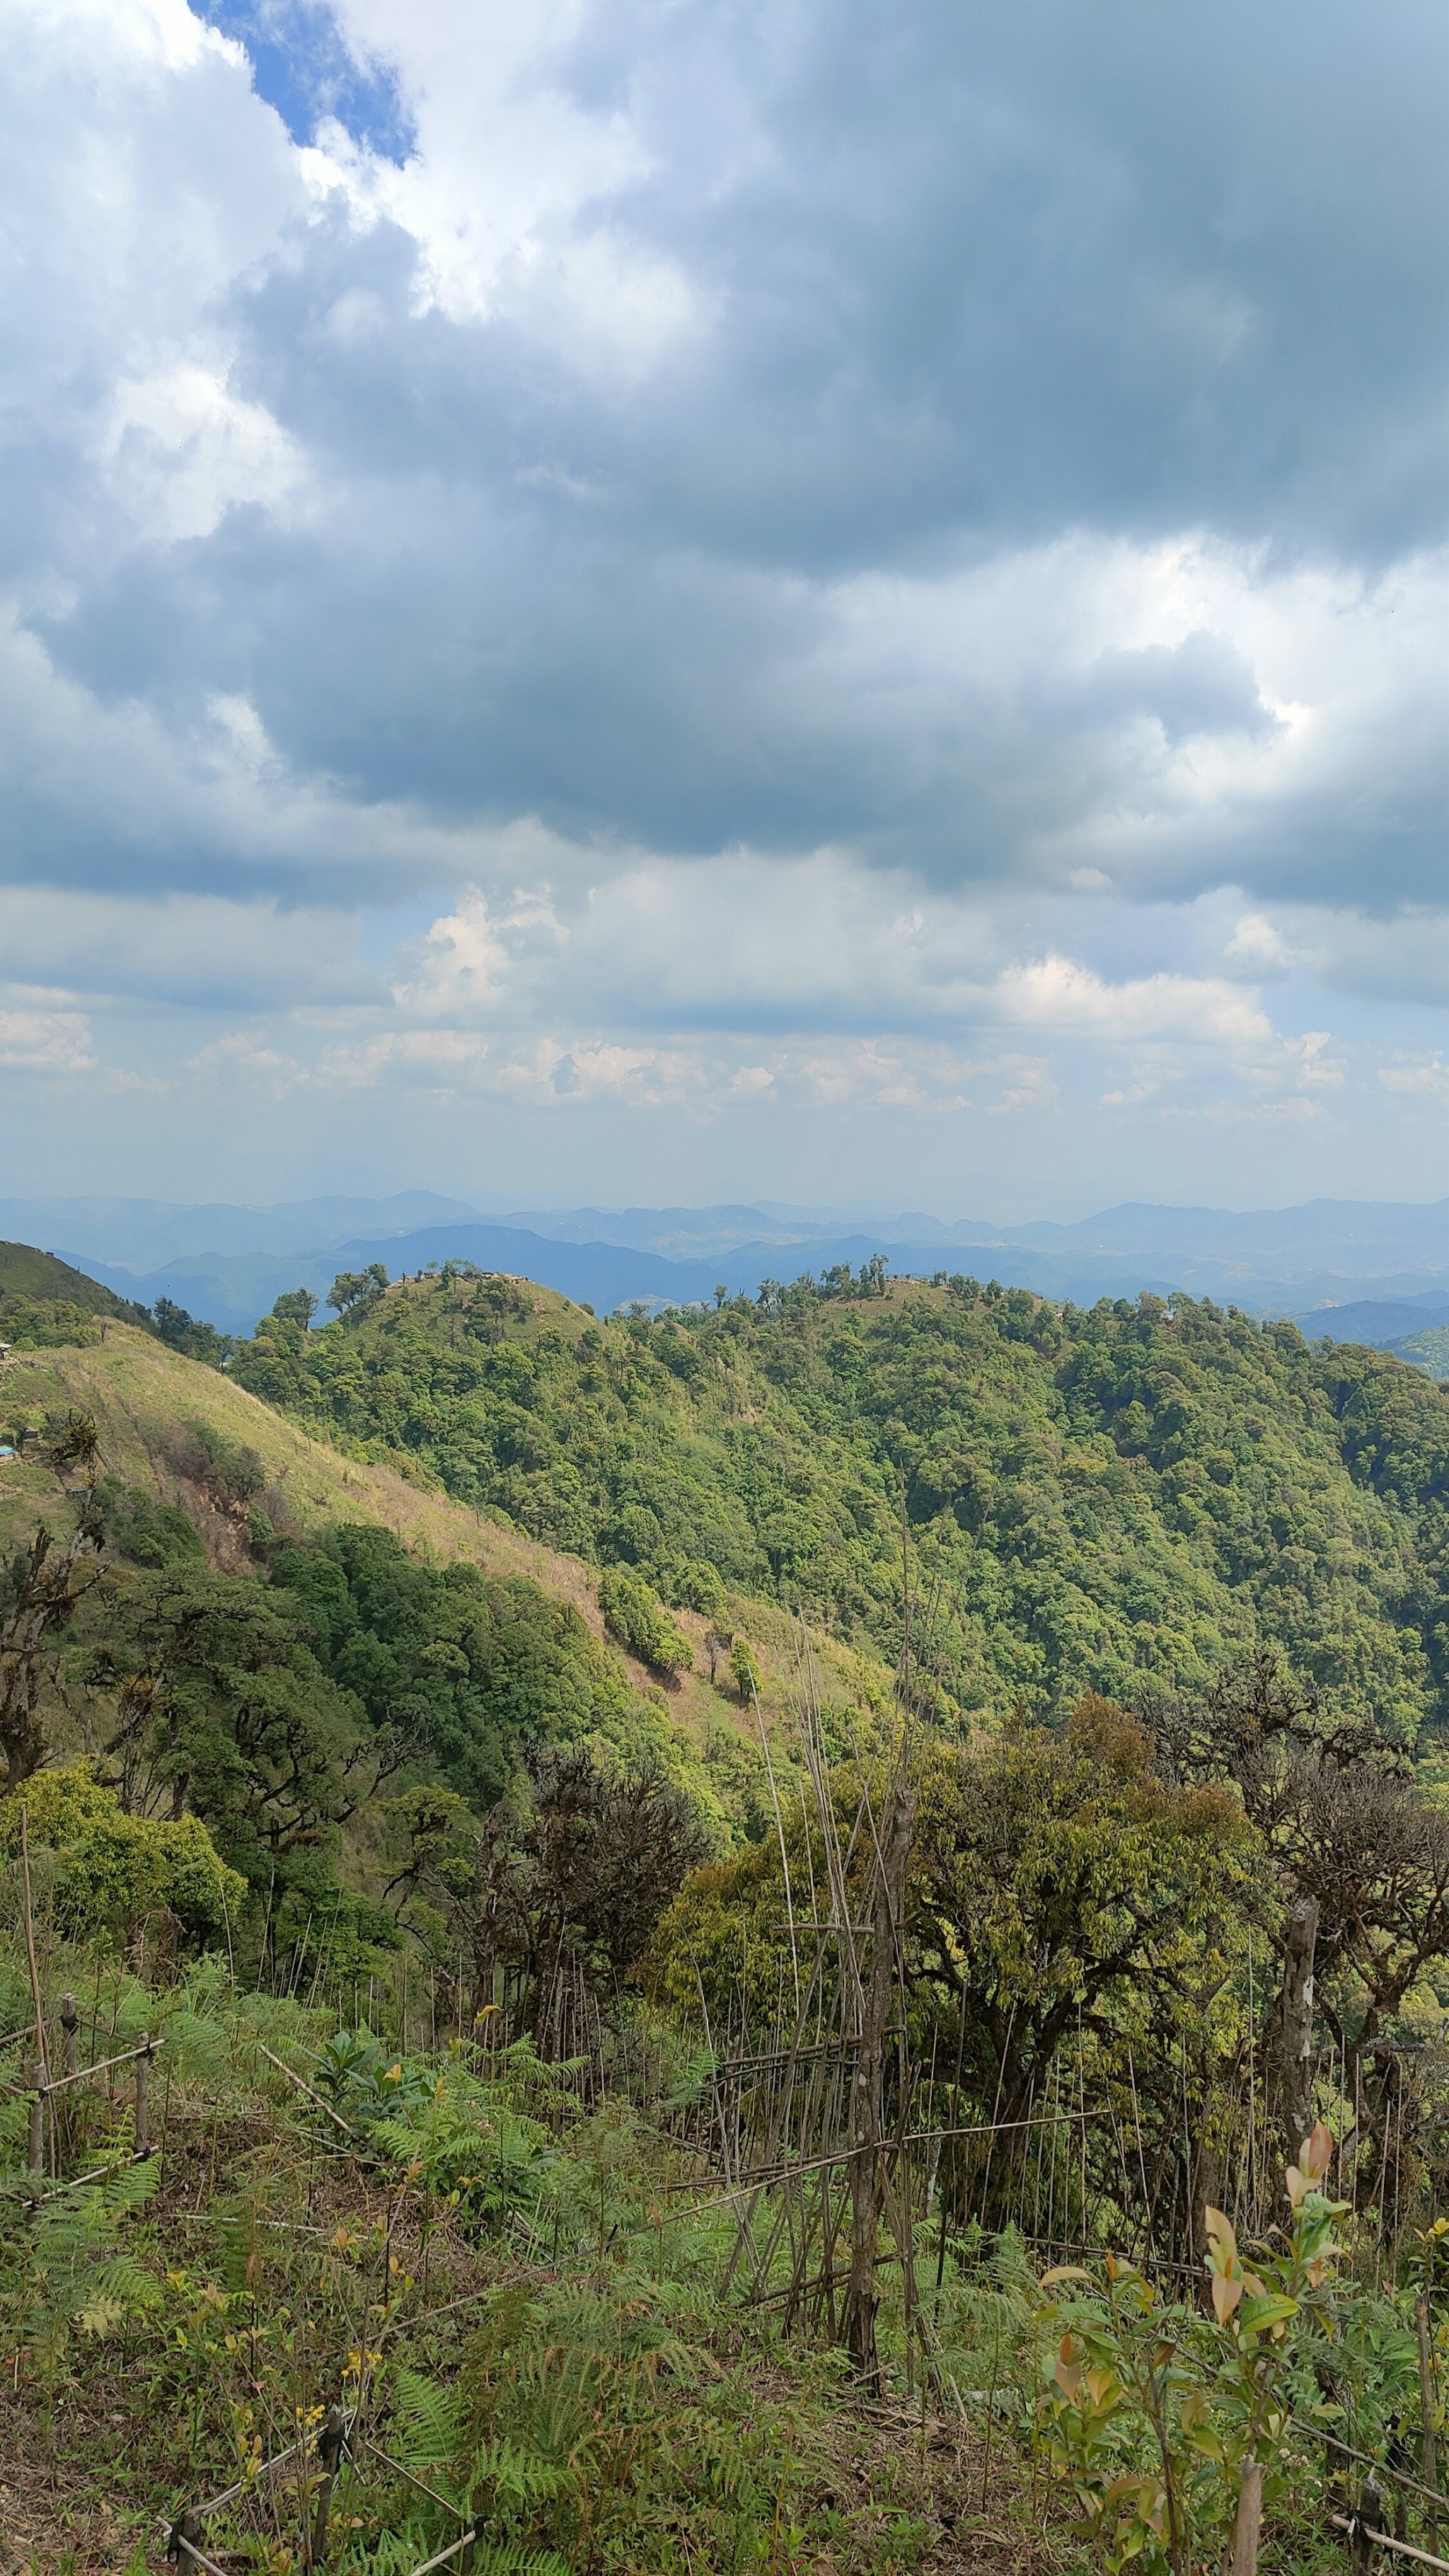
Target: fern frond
[
  {"x": 126, "y": 2282},
  {"x": 516, "y": 2558},
  {"x": 518, "y": 2474},
  {"x": 426, "y": 2430}
]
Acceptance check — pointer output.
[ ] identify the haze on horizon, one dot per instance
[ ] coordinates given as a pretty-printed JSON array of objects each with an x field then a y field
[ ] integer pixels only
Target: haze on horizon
[{"x": 830, "y": 604}]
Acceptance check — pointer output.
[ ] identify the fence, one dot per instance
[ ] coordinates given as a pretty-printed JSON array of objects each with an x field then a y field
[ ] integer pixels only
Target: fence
[
  {"x": 45, "y": 2153},
  {"x": 337, "y": 2440}
]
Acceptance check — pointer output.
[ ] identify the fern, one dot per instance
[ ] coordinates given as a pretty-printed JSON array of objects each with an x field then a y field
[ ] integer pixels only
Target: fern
[
  {"x": 517, "y": 2558},
  {"x": 74, "y": 2279},
  {"x": 519, "y": 2476},
  {"x": 426, "y": 2429}
]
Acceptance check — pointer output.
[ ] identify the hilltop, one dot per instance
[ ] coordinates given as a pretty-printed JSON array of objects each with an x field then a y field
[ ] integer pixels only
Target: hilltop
[
  {"x": 31, "y": 1279},
  {"x": 1114, "y": 1497},
  {"x": 226, "y": 1264}
]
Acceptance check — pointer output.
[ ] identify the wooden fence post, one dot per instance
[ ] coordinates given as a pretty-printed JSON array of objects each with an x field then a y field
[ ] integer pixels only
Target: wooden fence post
[
  {"x": 331, "y": 2443},
  {"x": 1368, "y": 2517},
  {"x": 70, "y": 2024},
  {"x": 1247, "y": 2529},
  {"x": 143, "y": 2126},
  {"x": 37, "y": 2124},
  {"x": 1429, "y": 2454},
  {"x": 185, "y": 2535}
]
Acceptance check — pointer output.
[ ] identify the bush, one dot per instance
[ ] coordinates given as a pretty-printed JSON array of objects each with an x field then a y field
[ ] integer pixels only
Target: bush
[
  {"x": 46, "y": 1324},
  {"x": 696, "y": 1586},
  {"x": 116, "y": 1871},
  {"x": 638, "y": 1620},
  {"x": 745, "y": 1670}
]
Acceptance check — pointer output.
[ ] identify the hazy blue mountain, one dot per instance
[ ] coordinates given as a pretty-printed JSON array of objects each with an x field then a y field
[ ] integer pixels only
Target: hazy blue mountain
[
  {"x": 1382, "y": 1322},
  {"x": 144, "y": 1234},
  {"x": 1325, "y": 1242},
  {"x": 1352, "y": 1269},
  {"x": 1356, "y": 1237}
]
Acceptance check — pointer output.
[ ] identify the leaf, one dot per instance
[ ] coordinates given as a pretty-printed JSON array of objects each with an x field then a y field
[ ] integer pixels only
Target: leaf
[
  {"x": 1063, "y": 2272},
  {"x": 1222, "y": 2242},
  {"x": 1316, "y": 2153},
  {"x": 1259, "y": 2314},
  {"x": 1226, "y": 2295}
]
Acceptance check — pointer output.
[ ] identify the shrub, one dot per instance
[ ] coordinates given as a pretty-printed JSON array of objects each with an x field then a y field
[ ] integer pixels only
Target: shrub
[
  {"x": 116, "y": 1871},
  {"x": 743, "y": 1667},
  {"x": 229, "y": 1472},
  {"x": 637, "y": 1619}
]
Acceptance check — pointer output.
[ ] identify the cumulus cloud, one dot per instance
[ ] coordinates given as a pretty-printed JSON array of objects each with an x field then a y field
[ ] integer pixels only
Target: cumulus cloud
[
  {"x": 727, "y": 557},
  {"x": 34, "y": 1040}
]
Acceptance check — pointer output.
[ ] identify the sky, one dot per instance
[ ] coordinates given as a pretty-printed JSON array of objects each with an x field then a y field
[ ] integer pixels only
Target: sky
[{"x": 670, "y": 600}]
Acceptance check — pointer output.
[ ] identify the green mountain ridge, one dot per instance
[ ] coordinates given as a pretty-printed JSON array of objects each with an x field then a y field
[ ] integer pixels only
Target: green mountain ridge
[
  {"x": 1428, "y": 1350},
  {"x": 32, "y": 1281},
  {"x": 1121, "y": 1498}
]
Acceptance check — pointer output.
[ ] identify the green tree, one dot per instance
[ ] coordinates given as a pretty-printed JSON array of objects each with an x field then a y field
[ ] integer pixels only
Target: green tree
[
  {"x": 355, "y": 1292},
  {"x": 221, "y": 1707},
  {"x": 114, "y": 1871},
  {"x": 744, "y": 1671},
  {"x": 296, "y": 1306},
  {"x": 639, "y": 1621}
]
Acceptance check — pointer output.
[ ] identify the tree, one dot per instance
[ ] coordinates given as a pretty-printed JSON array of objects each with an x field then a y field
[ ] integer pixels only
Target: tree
[
  {"x": 640, "y": 1622},
  {"x": 1054, "y": 1877},
  {"x": 182, "y": 1332},
  {"x": 567, "y": 1880},
  {"x": 744, "y": 1670},
  {"x": 44, "y": 1590},
  {"x": 1360, "y": 1868},
  {"x": 115, "y": 1871},
  {"x": 298, "y": 1306},
  {"x": 355, "y": 1292},
  {"x": 172, "y": 1322},
  {"x": 74, "y": 1442},
  {"x": 221, "y": 1708}
]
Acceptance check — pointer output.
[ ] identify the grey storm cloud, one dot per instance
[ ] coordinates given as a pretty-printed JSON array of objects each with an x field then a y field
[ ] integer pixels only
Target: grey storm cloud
[{"x": 964, "y": 281}]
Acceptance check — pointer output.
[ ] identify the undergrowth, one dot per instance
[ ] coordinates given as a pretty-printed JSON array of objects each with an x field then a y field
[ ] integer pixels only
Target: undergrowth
[{"x": 507, "y": 2290}]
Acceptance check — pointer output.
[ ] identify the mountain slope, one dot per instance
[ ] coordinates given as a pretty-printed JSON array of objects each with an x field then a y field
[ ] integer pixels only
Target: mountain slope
[
  {"x": 1112, "y": 1498},
  {"x": 39, "y": 1278},
  {"x": 146, "y": 1400},
  {"x": 1427, "y": 1349}
]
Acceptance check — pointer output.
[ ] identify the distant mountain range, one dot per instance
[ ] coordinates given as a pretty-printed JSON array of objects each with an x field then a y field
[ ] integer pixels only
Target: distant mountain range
[{"x": 1361, "y": 1270}]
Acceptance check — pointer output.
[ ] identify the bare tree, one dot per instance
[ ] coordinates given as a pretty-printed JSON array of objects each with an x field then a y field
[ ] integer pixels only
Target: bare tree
[{"x": 46, "y": 1585}]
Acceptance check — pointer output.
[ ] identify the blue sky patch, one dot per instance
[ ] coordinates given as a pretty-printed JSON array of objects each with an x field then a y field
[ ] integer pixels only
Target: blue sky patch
[{"x": 302, "y": 67}]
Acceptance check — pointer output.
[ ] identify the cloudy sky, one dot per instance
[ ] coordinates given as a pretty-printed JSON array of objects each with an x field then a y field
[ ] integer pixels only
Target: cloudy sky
[{"x": 671, "y": 599}]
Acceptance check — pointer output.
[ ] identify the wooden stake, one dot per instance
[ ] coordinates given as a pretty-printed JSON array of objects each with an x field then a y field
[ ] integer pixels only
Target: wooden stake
[
  {"x": 1248, "y": 2521},
  {"x": 143, "y": 2125},
  {"x": 37, "y": 2123},
  {"x": 330, "y": 2443},
  {"x": 1429, "y": 2455},
  {"x": 30, "y": 1942},
  {"x": 1368, "y": 2520}
]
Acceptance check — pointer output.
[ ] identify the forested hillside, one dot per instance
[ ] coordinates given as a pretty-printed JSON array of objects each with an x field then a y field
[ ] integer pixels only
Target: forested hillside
[
  {"x": 231, "y": 1619},
  {"x": 1108, "y": 1498},
  {"x": 644, "y": 2082}
]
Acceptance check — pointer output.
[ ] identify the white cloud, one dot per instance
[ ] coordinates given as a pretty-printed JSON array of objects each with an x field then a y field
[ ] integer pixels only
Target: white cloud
[
  {"x": 612, "y": 536},
  {"x": 1256, "y": 944},
  {"x": 181, "y": 449},
  {"x": 41, "y": 1041},
  {"x": 1427, "y": 1075}
]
